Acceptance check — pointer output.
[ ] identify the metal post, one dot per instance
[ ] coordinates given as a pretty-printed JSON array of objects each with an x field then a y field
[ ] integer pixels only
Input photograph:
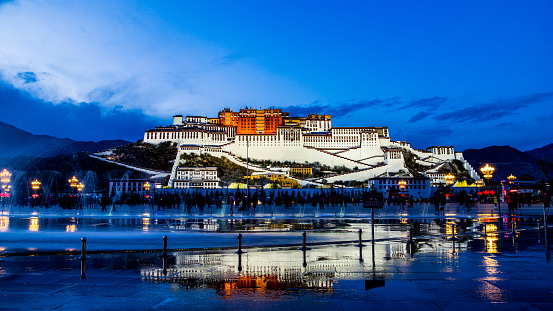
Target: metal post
[
  {"x": 83, "y": 249},
  {"x": 165, "y": 246},
  {"x": 304, "y": 244},
  {"x": 240, "y": 244},
  {"x": 539, "y": 231},
  {"x": 360, "y": 238}
]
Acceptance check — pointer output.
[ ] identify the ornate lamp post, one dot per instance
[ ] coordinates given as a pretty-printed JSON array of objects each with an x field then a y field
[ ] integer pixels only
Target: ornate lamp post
[
  {"x": 511, "y": 178},
  {"x": 487, "y": 170},
  {"x": 402, "y": 184},
  {"x": 449, "y": 179},
  {"x": 80, "y": 187},
  {"x": 35, "y": 185},
  {"x": 73, "y": 182},
  {"x": 5, "y": 179},
  {"x": 147, "y": 187}
]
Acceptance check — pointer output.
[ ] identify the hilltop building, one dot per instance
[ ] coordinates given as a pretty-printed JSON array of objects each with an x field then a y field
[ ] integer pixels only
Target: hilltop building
[{"x": 271, "y": 134}]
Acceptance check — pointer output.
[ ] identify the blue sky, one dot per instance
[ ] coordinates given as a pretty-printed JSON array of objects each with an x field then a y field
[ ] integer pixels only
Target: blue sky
[{"x": 463, "y": 73}]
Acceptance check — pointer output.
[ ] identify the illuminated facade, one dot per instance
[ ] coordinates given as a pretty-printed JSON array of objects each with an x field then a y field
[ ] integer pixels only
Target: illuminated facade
[{"x": 271, "y": 134}]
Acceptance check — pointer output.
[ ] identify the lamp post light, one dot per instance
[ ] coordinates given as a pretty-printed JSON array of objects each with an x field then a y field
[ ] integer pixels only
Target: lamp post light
[
  {"x": 487, "y": 170},
  {"x": 449, "y": 179},
  {"x": 5, "y": 176},
  {"x": 5, "y": 179},
  {"x": 35, "y": 185},
  {"x": 73, "y": 182},
  {"x": 147, "y": 186},
  {"x": 511, "y": 178},
  {"x": 402, "y": 184}
]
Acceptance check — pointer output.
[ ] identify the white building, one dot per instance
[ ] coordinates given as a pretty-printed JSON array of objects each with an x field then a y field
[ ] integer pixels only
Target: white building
[
  {"x": 196, "y": 177},
  {"x": 367, "y": 150}
]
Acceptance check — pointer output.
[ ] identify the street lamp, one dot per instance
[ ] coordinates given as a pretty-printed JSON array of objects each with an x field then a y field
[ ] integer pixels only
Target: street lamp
[
  {"x": 147, "y": 187},
  {"x": 5, "y": 176},
  {"x": 511, "y": 178},
  {"x": 35, "y": 185},
  {"x": 487, "y": 170},
  {"x": 449, "y": 179},
  {"x": 5, "y": 179},
  {"x": 80, "y": 187},
  {"x": 402, "y": 184},
  {"x": 73, "y": 182}
]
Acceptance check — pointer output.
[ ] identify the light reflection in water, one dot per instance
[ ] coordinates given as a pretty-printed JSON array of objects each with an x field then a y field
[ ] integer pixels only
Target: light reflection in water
[
  {"x": 70, "y": 228},
  {"x": 33, "y": 225},
  {"x": 491, "y": 238},
  {"x": 4, "y": 223},
  {"x": 145, "y": 224}
]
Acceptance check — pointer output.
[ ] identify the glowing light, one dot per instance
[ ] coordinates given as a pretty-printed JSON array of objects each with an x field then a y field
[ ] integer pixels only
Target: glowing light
[
  {"x": 145, "y": 224},
  {"x": 402, "y": 184},
  {"x": 73, "y": 182},
  {"x": 487, "y": 170},
  {"x": 35, "y": 184},
  {"x": 5, "y": 176},
  {"x": 4, "y": 223},
  {"x": 449, "y": 179},
  {"x": 70, "y": 228},
  {"x": 33, "y": 225}
]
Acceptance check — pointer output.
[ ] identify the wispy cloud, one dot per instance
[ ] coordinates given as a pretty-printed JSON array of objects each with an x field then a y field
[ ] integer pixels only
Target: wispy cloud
[
  {"x": 119, "y": 53},
  {"x": 424, "y": 103},
  {"x": 419, "y": 116},
  {"x": 481, "y": 112}
]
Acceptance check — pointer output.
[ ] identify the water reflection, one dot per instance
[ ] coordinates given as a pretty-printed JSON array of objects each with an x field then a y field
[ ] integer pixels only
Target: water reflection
[
  {"x": 33, "y": 224},
  {"x": 4, "y": 223}
]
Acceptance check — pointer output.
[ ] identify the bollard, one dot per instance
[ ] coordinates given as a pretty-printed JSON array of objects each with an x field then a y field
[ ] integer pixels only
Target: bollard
[
  {"x": 411, "y": 235},
  {"x": 304, "y": 247},
  {"x": 83, "y": 250},
  {"x": 240, "y": 244},
  {"x": 360, "y": 238},
  {"x": 492, "y": 212},
  {"x": 164, "y": 254}
]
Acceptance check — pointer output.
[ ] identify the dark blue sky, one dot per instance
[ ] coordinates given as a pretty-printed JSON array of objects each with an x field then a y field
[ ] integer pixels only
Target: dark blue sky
[{"x": 463, "y": 73}]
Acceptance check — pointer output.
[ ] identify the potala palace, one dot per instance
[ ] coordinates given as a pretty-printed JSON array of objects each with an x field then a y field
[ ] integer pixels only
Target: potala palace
[{"x": 272, "y": 134}]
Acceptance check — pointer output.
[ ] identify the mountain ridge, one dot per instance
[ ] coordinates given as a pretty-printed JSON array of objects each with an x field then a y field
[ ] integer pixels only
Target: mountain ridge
[{"x": 16, "y": 142}]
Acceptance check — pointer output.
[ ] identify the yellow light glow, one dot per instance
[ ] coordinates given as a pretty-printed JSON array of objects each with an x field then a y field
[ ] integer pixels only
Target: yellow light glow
[
  {"x": 487, "y": 170},
  {"x": 33, "y": 225},
  {"x": 4, "y": 223},
  {"x": 145, "y": 224},
  {"x": 35, "y": 184},
  {"x": 70, "y": 228}
]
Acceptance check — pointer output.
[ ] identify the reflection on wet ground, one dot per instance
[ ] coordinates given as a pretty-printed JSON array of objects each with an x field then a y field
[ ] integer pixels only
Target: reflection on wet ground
[{"x": 482, "y": 263}]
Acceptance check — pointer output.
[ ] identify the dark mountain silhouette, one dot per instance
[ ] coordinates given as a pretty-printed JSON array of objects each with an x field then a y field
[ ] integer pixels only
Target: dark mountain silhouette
[
  {"x": 15, "y": 142},
  {"x": 506, "y": 160},
  {"x": 543, "y": 153}
]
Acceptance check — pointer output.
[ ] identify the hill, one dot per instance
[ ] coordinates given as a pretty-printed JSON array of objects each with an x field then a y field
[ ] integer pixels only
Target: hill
[
  {"x": 506, "y": 160},
  {"x": 543, "y": 153},
  {"x": 16, "y": 143}
]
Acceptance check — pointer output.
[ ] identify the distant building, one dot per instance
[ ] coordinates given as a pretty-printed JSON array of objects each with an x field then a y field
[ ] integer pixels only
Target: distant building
[
  {"x": 128, "y": 186},
  {"x": 196, "y": 177},
  {"x": 272, "y": 134},
  {"x": 301, "y": 171},
  {"x": 418, "y": 187}
]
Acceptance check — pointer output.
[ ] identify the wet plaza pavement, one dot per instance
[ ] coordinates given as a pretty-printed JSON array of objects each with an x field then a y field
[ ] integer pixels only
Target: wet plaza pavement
[{"x": 458, "y": 259}]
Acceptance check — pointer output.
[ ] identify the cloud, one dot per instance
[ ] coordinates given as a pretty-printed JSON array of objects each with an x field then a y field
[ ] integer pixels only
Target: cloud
[
  {"x": 86, "y": 121},
  {"x": 419, "y": 116},
  {"x": 117, "y": 53},
  {"x": 431, "y": 103},
  {"x": 485, "y": 112},
  {"x": 340, "y": 109}
]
